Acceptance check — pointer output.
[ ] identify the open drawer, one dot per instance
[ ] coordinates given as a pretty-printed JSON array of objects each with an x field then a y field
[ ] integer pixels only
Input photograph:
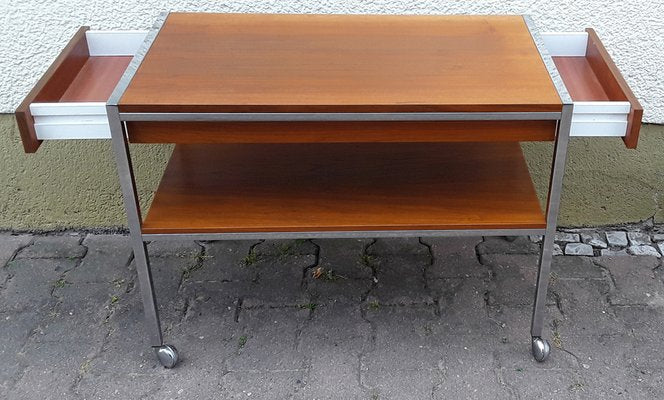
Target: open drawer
[
  {"x": 604, "y": 105},
  {"x": 69, "y": 101}
]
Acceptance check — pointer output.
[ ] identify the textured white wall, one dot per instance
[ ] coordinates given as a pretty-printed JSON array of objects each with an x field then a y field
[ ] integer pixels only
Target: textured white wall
[{"x": 32, "y": 32}]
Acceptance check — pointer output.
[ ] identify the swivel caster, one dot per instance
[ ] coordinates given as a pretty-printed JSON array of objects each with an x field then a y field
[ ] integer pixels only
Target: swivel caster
[
  {"x": 541, "y": 349},
  {"x": 167, "y": 355}
]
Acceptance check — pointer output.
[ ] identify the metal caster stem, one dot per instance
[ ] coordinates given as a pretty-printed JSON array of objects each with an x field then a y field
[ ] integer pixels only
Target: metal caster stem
[
  {"x": 167, "y": 355},
  {"x": 541, "y": 349}
]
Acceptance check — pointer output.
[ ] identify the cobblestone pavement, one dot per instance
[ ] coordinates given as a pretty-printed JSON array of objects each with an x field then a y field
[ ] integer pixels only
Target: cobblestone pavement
[{"x": 329, "y": 319}]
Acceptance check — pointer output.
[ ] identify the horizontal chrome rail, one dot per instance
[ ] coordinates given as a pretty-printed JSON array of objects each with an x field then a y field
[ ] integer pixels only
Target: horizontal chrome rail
[{"x": 341, "y": 234}]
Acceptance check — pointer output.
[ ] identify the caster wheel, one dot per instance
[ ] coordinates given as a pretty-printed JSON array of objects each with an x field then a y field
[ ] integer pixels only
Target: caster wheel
[
  {"x": 541, "y": 349},
  {"x": 167, "y": 355}
]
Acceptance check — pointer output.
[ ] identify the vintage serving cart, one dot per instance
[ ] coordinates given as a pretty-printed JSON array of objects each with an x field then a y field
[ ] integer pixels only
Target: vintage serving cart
[{"x": 321, "y": 126}]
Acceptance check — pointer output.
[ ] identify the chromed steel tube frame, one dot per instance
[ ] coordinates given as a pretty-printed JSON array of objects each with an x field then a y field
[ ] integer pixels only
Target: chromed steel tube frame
[
  {"x": 552, "y": 208},
  {"x": 132, "y": 207},
  {"x": 555, "y": 182},
  {"x": 129, "y": 192}
]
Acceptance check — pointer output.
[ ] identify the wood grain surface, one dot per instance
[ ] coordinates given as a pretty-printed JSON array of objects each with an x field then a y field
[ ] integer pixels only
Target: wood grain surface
[
  {"x": 97, "y": 79},
  {"x": 614, "y": 85},
  {"x": 595, "y": 77},
  {"x": 339, "y": 132},
  {"x": 580, "y": 79},
  {"x": 52, "y": 85},
  {"x": 332, "y": 187},
  {"x": 341, "y": 63}
]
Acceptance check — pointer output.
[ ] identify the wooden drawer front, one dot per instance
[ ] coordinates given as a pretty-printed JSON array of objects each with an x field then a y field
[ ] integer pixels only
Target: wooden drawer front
[
  {"x": 604, "y": 105},
  {"x": 69, "y": 101},
  {"x": 341, "y": 132}
]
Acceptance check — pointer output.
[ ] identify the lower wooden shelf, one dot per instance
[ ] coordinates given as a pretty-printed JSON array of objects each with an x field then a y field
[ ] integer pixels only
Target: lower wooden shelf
[{"x": 225, "y": 188}]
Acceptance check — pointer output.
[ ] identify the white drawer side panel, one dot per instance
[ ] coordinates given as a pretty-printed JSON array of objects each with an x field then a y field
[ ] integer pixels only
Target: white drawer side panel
[
  {"x": 114, "y": 43},
  {"x": 569, "y": 44}
]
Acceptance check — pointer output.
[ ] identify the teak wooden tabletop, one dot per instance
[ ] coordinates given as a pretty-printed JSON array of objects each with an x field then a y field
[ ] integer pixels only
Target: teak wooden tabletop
[{"x": 341, "y": 63}]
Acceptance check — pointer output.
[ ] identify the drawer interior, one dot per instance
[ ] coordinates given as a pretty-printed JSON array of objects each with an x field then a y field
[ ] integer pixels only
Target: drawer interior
[
  {"x": 96, "y": 79},
  {"x": 69, "y": 101},
  {"x": 604, "y": 105}
]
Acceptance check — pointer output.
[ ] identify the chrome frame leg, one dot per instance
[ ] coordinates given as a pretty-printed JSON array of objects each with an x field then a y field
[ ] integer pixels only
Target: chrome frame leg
[
  {"x": 540, "y": 347},
  {"x": 132, "y": 208}
]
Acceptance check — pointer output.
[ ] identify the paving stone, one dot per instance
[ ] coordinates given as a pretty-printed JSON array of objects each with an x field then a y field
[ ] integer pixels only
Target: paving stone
[
  {"x": 167, "y": 274},
  {"x": 66, "y": 246},
  {"x": 557, "y": 378},
  {"x": 221, "y": 315},
  {"x": 643, "y": 250},
  {"x": 594, "y": 239},
  {"x": 632, "y": 369},
  {"x": 51, "y": 370},
  {"x": 337, "y": 289},
  {"x": 454, "y": 258},
  {"x": 536, "y": 238},
  {"x": 80, "y": 313},
  {"x": 271, "y": 337},
  {"x": 342, "y": 273},
  {"x": 646, "y": 371},
  {"x": 605, "y": 373},
  {"x": 566, "y": 237},
  {"x": 345, "y": 257},
  {"x": 470, "y": 373},
  {"x": 643, "y": 323},
  {"x": 204, "y": 383},
  {"x": 15, "y": 327},
  {"x": 408, "y": 346},
  {"x": 512, "y": 324},
  {"x": 515, "y": 278},
  {"x": 658, "y": 237},
  {"x": 337, "y": 327},
  {"x": 106, "y": 260},
  {"x": 495, "y": 245},
  {"x": 614, "y": 253},
  {"x": 333, "y": 340},
  {"x": 557, "y": 251},
  {"x": 462, "y": 305},
  {"x": 635, "y": 280},
  {"x": 210, "y": 313},
  {"x": 332, "y": 375},
  {"x": 583, "y": 307},
  {"x": 226, "y": 261},
  {"x": 638, "y": 238},
  {"x": 400, "y": 280},
  {"x": 616, "y": 239},
  {"x": 10, "y": 245},
  {"x": 578, "y": 249},
  {"x": 262, "y": 385},
  {"x": 287, "y": 247},
  {"x": 397, "y": 383},
  {"x": 398, "y": 247},
  {"x": 280, "y": 281},
  {"x": 174, "y": 248},
  {"x": 575, "y": 268},
  {"x": 408, "y": 338},
  {"x": 31, "y": 282},
  {"x": 126, "y": 351}
]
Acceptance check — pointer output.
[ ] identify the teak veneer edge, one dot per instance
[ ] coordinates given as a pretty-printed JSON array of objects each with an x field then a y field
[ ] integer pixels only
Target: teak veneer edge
[{"x": 52, "y": 85}]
